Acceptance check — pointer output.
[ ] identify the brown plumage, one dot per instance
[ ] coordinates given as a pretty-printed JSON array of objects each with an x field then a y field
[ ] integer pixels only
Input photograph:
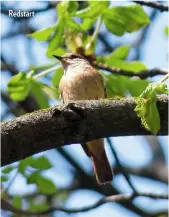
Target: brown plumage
[{"x": 82, "y": 82}]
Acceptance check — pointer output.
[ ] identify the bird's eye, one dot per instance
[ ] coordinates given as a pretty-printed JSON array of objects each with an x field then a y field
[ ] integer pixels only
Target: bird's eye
[{"x": 73, "y": 56}]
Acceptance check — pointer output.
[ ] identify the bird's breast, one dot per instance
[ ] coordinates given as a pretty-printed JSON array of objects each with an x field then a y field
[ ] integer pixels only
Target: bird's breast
[{"x": 82, "y": 86}]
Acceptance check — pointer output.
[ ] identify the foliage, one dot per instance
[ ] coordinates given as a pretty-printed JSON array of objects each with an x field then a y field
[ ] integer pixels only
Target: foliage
[
  {"x": 69, "y": 35},
  {"x": 146, "y": 107}
]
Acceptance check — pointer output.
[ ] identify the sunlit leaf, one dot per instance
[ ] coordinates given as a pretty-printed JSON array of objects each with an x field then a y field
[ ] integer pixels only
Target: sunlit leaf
[
  {"x": 133, "y": 66},
  {"x": 62, "y": 8},
  {"x": 120, "y": 20},
  {"x": 146, "y": 107},
  {"x": 43, "y": 34},
  {"x": 56, "y": 39},
  {"x": 72, "y": 7},
  {"x": 19, "y": 87},
  {"x": 136, "y": 87},
  {"x": 120, "y": 53},
  {"x": 94, "y": 10},
  {"x": 115, "y": 85},
  {"x": 72, "y": 24},
  {"x": 88, "y": 23}
]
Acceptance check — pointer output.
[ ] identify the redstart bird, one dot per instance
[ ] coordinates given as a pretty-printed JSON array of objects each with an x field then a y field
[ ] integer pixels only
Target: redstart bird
[{"x": 81, "y": 81}]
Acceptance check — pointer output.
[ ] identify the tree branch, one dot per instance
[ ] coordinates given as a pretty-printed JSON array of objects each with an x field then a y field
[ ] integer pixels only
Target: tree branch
[
  {"x": 123, "y": 171},
  {"x": 75, "y": 123},
  {"x": 114, "y": 198},
  {"x": 153, "y": 4},
  {"x": 153, "y": 171},
  {"x": 142, "y": 74}
]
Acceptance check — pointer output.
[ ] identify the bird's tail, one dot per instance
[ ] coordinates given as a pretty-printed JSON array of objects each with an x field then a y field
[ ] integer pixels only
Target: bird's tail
[{"x": 101, "y": 164}]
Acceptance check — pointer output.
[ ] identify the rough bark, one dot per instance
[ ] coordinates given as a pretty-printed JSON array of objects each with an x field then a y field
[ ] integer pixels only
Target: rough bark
[{"x": 75, "y": 123}]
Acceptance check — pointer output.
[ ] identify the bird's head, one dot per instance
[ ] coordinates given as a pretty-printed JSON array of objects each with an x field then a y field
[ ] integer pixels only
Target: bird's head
[{"x": 71, "y": 59}]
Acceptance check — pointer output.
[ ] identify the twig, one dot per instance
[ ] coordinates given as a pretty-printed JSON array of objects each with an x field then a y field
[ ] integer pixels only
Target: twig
[
  {"x": 94, "y": 36},
  {"x": 125, "y": 174},
  {"x": 153, "y": 4},
  {"x": 114, "y": 198},
  {"x": 154, "y": 171},
  {"x": 142, "y": 74},
  {"x": 46, "y": 72},
  {"x": 164, "y": 78}
]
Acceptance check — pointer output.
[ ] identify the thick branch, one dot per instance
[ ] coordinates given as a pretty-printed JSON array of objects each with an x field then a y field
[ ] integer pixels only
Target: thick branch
[
  {"x": 115, "y": 198},
  {"x": 152, "y": 4},
  {"x": 75, "y": 123}
]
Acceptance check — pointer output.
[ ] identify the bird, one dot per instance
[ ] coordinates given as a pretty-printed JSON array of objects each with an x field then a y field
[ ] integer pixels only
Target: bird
[{"x": 81, "y": 81}]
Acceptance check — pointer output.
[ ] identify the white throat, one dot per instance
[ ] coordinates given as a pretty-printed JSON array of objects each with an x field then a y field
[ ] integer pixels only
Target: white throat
[{"x": 76, "y": 67}]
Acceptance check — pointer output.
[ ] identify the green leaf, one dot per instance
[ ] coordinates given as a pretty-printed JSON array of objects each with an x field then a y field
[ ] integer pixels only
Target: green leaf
[
  {"x": 4, "y": 178},
  {"x": 38, "y": 207},
  {"x": 57, "y": 38},
  {"x": 133, "y": 66},
  {"x": 120, "y": 53},
  {"x": 32, "y": 179},
  {"x": 59, "y": 51},
  {"x": 136, "y": 87},
  {"x": 37, "y": 90},
  {"x": 62, "y": 8},
  {"x": 115, "y": 85},
  {"x": 57, "y": 77},
  {"x": 146, "y": 108},
  {"x": 8, "y": 169},
  {"x": 72, "y": 24},
  {"x": 120, "y": 20},
  {"x": 43, "y": 34},
  {"x": 24, "y": 163},
  {"x": 161, "y": 88},
  {"x": 93, "y": 11},
  {"x": 19, "y": 87},
  {"x": 167, "y": 30},
  {"x": 72, "y": 7},
  {"x": 17, "y": 202},
  {"x": 88, "y": 23},
  {"x": 44, "y": 184},
  {"x": 105, "y": 4},
  {"x": 41, "y": 163}
]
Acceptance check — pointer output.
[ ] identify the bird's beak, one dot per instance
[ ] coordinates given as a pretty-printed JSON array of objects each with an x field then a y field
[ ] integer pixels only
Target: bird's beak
[{"x": 57, "y": 57}]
